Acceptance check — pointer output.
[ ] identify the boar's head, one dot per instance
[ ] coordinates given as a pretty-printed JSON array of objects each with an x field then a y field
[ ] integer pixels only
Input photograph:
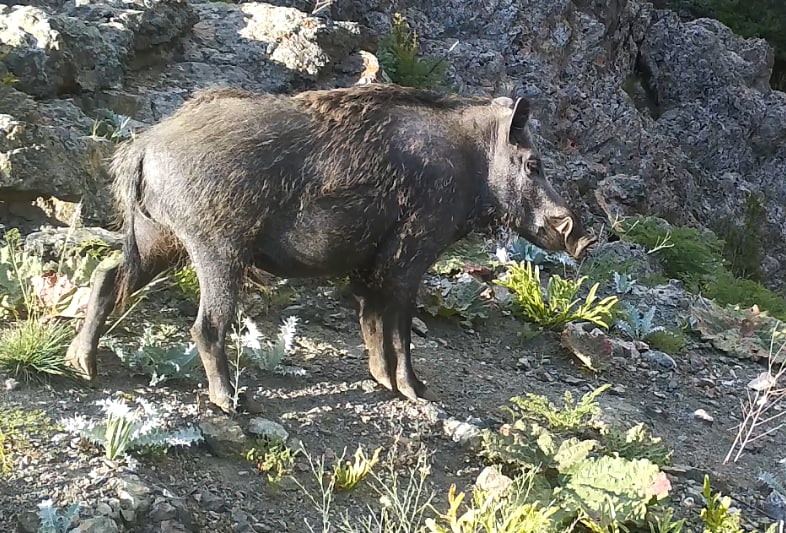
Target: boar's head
[{"x": 526, "y": 200}]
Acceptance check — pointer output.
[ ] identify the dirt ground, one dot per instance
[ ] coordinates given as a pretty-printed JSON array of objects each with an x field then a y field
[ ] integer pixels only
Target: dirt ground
[{"x": 335, "y": 406}]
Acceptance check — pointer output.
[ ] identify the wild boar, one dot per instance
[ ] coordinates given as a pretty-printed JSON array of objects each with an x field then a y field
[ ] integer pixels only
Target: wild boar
[{"x": 373, "y": 182}]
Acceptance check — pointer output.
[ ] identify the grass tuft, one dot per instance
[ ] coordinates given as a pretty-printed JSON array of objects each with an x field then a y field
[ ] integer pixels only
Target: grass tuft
[{"x": 34, "y": 350}]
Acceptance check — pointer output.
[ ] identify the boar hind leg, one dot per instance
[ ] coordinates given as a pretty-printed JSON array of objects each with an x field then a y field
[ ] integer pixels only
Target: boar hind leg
[
  {"x": 219, "y": 283},
  {"x": 155, "y": 254}
]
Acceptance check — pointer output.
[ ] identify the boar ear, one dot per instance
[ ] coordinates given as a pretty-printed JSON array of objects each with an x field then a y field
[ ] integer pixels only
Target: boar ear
[{"x": 518, "y": 122}]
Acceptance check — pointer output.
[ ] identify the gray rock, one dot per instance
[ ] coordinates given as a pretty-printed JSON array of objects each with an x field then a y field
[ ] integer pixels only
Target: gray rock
[
  {"x": 223, "y": 436},
  {"x": 134, "y": 496},
  {"x": 100, "y": 524},
  {"x": 262, "y": 427},
  {"x": 464, "y": 433},
  {"x": 660, "y": 358},
  {"x": 56, "y": 54},
  {"x": 53, "y": 155}
]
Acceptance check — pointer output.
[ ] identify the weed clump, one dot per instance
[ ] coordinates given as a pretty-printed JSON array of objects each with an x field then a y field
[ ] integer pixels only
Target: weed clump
[{"x": 34, "y": 350}]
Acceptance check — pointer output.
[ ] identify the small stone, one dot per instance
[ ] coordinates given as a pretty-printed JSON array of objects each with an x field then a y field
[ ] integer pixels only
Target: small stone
[
  {"x": 133, "y": 495},
  {"x": 419, "y": 327},
  {"x": 162, "y": 511},
  {"x": 660, "y": 358},
  {"x": 100, "y": 524},
  {"x": 493, "y": 481},
  {"x": 618, "y": 389},
  {"x": 462, "y": 432},
  {"x": 211, "y": 502},
  {"x": 128, "y": 515},
  {"x": 262, "y": 427},
  {"x": 368, "y": 385},
  {"x": 762, "y": 382},
  {"x": 28, "y": 522},
  {"x": 104, "y": 509},
  {"x": 688, "y": 502},
  {"x": 704, "y": 416},
  {"x": 223, "y": 436},
  {"x": 10, "y": 384}
]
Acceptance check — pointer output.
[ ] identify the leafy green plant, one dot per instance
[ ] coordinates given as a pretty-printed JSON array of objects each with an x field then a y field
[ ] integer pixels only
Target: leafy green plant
[
  {"x": 662, "y": 523},
  {"x": 187, "y": 283},
  {"x": 560, "y": 305},
  {"x": 716, "y": 515},
  {"x": 492, "y": 512},
  {"x": 671, "y": 341},
  {"x": 34, "y": 350},
  {"x": 470, "y": 250},
  {"x": 348, "y": 474},
  {"x": 274, "y": 458},
  {"x": 687, "y": 253},
  {"x": 590, "y": 482},
  {"x": 398, "y": 54},
  {"x": 124, "y": 429},
  {"x": 16, "y": 270},
  {"x": 51, "y": 519},
  {"x": 636, "y": 443},
  {"x": 725, "y": 289},
  {"x": 463, "y": 299},
  {"x": 571, "y": 416},
  {"x": 158, "y": 358}
]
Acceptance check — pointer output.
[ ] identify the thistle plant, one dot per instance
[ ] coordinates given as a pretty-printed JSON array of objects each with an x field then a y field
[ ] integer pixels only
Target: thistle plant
[
  {"x": 51, "y": 519},
  {"x": 638, "y": 325},
  {"x": 269, "y": 355},
  {"x": 125, "y": 429}
]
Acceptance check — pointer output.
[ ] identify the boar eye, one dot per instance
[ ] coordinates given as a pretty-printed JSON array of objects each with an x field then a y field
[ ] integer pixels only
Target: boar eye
[{"x": 533, "y": 166}]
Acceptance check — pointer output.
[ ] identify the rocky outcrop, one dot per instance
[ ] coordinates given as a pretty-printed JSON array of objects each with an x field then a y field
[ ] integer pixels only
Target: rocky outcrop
[{"x": 636, "y": 110}]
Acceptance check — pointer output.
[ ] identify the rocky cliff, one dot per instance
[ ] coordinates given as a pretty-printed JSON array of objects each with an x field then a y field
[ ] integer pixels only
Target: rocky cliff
[{"x": 636, "y": 110}]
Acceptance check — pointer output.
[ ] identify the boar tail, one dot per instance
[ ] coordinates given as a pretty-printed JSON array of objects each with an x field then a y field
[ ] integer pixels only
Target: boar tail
[{"x": 127, "y": 172}]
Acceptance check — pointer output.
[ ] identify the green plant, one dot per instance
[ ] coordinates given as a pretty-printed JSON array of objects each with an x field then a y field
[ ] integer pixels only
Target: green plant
[
  {"x": 560, "y": 305},
  {"x": 161, "y": 360},
  {"x": 112, "y": 126},
  {"x": 638, "y": 325},
  {"x": 593, "y": 482},
  {"x": 716, "y": 514},
  {"x": 492, "y": 512},
  {"x": 34, "y": 350},
  {"x": 571, "y": 416},
  {"x": 349, "y": 473},
  {"x": 398, "y": 54},
  {"x": 51, "y": 519},
  {"x": 725, "y": 289},
  {"x": 187, "y": 283},
  {"x": 247, "y": 340},
  {"x": 470, "y": 250},
  {"x": 463, "y": 299},
  {"x": 125, "y": 429},
  {"x": 687, "y": 253},
  {"x": 742, "y": 242},
  {"x": 663, "y": 523},
  {"x": 16, "y": 270},
  {"x": 671, "y": 341},
  {"x": 274, "y": 458},
  {"x": 623, "y": 283}
]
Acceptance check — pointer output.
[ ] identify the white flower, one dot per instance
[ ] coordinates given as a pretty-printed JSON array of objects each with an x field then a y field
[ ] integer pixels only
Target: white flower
[{"x": 115, "y": 408}]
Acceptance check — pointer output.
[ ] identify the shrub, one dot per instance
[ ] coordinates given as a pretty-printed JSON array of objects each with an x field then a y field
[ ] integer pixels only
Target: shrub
[
  {"x": 742, "y": 242},
  {"x": 671, "y": 341},
  {"x": 560, "y": 305},
  {"x": 462, "y": 298},
  {"x": 687, "y": 253},
  {"x": 725, "y": 289},
  {"x": 34, "y": 350},
  {"x": 273, "y": 458},
  {"x": 398, "y": 54}
]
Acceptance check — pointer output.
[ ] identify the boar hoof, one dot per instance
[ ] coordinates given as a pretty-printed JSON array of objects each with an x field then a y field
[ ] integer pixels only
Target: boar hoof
[
  {"x": 417, "y": 391},
  {"x": 82, "y": 359},
  {"x": 246, "y": 403}
]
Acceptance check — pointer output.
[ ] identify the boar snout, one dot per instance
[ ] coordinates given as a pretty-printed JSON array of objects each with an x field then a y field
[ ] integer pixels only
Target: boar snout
[{"x": 574, "y": 237}]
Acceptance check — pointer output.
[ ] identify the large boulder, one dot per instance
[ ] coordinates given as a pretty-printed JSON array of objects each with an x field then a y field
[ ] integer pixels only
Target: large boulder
[{"x": 46, "y": 149}]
